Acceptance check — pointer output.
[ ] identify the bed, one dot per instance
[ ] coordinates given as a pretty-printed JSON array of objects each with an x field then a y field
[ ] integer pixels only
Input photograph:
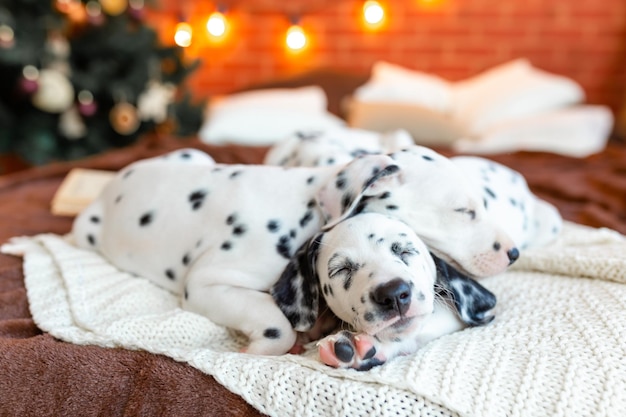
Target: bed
[{"x": 42, "y": 375}]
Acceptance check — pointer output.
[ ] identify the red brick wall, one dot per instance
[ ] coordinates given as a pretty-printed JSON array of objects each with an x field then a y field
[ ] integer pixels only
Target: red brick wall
[{"x": 582, "y": 39}]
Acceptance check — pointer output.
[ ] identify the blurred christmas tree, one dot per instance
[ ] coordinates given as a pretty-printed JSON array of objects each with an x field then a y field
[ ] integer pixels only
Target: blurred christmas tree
[{"x": 79, "y": 77}]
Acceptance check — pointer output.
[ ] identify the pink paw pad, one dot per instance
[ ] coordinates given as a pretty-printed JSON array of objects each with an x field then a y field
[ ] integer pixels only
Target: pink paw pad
[{"x": 347, "y": 350}]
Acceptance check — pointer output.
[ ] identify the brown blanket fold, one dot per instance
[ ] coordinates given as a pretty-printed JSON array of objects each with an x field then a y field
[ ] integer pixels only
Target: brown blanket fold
[{"x": 42, "y": 376}]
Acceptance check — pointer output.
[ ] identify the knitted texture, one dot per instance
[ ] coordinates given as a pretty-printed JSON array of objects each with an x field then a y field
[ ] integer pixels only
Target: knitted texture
[{"x": 556, "y": 348}]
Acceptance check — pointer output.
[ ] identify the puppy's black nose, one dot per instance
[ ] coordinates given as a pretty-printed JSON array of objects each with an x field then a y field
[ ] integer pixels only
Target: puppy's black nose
[
  {"x": 393, "y": 295},
  {"x": 513, "y": 254}
]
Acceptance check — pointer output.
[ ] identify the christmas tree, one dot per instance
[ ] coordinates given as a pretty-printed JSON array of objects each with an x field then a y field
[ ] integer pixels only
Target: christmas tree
[{"x": 79, "y": 77}]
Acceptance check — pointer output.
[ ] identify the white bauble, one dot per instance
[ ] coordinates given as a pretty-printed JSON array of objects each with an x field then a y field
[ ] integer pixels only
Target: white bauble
[{"x": 55, "y": 93}]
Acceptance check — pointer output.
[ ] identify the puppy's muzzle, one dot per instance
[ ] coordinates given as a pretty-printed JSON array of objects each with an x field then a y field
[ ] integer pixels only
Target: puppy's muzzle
[{"x": 393, "y": 297}]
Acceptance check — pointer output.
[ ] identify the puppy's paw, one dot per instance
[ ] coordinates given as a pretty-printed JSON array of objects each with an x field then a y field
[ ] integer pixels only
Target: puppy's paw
[{"x": 350, "y": 350}]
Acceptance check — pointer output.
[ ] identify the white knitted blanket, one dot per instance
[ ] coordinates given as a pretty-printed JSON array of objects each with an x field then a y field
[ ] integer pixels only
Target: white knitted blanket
[{"x": 556, "y": 348}]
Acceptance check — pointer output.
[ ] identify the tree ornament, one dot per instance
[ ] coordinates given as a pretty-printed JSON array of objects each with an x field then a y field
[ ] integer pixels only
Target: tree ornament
[
  {"x": 87, "y": 106},
  {"x": 71, "y": 125},
  {"x": 95, "y": 17},
  {"x": 114, "y": 7},
  {"x": 55, "y": 93},
  {"x": 28, "y": 83},
  {"x": 136, "y": 9},
  {"x": 7, "y": 36},
  {"x": 124, "y": 118},
  {"x": 154, "y": 101}
]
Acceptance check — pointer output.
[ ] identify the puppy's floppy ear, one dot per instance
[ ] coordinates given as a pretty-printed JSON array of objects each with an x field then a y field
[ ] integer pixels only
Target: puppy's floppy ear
[
  {"x": 473, "y": 302},
  {"x": 364, "y": 177},
  {"x": 297, "y": 290}
]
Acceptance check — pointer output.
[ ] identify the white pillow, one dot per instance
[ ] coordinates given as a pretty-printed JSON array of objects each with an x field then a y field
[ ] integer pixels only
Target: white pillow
[
  {"x": 310, "y": 98},
  {"x": 262, "y": 117},
  {"x": 262, "y": 125},
  {"x": 577, "y": 131},
  {"x": 511, "y": 91},
  {"x": 393, "y": 83}
]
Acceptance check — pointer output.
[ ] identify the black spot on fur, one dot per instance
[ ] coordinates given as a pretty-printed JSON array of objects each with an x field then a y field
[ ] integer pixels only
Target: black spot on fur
[
  {"x": 235, "y": 174},
  {"x": 385, "y": 195},
  {"x": 371, "y": 236},
  {"x": 146, "y": 219},
  {"x": 227, "y": 245},
  {"x": 271, "y": 333},
  {"x": 186, "y": 259},
  {"x": 185, "y": 155},
  {"x": 310, "y": 204},
  {"x": 273, "y": 225},
  {"x": 186, "y": 294},
  {"x": 197, "y": 198},
  {"x": 91, "y": 239},
  {"x": 293, "y": 233},
  {"x": 230, "y": 220},
  {"x": 239, "y": 230},
  {"x": 427, "y": 158},
  {"x": 369, "y": 316},
  {"x": 391, "y": 207},
  {"x": 94, "y": 219},
  {"x": 170, "y": 274},
  {"x": 304, "y": 220},
  {"x": 497, "y": 246},
  {"x": 127, "y": 174},
  {"x": 310, "y": 180},
  {"x": 118, "y": 199},
  {"x": 283, "y": 247},
  {"x": 490, "y": 192},
  {"x": 346, "y": 200}
]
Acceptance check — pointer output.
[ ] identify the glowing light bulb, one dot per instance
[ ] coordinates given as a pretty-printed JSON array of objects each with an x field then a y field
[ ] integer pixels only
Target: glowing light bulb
[
  {"x": 216, "y": 24},
  {"x": 296, "y": 38},
  {"x": 183, "y": 34},
  {"x": 373, "y": 12}
]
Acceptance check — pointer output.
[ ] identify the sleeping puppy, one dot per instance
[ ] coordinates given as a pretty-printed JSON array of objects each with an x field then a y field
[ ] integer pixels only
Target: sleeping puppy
[
  {"x": 504, "y": 193},
  {"x": 379, "y": 279}
]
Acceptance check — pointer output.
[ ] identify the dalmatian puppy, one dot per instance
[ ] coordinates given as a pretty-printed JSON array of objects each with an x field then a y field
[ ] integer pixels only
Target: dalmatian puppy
[
  {"x": 217, "y": 235},
  {"x": 336, "y": 146},
  {"x": 526, "y": 219},
  {"x": 378, "y": 278}
]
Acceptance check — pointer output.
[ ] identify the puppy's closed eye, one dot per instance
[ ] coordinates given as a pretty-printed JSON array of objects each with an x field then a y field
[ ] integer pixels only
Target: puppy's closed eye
[
  {"x": 470, "y": 212},
  {"x": 404, "y": 252}
]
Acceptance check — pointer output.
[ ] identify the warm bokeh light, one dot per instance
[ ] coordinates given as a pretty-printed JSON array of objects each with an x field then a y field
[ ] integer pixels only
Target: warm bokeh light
[
  {"x": 373, "y": 12},
  {"x": 216, "y": 24},
  {"x": 296, "y": 38},
  {"x": 183, "y": 34}
]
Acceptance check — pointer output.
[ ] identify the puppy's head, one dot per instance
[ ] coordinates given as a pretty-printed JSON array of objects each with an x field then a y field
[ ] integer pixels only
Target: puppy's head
[{"x": 373, "y": 272}]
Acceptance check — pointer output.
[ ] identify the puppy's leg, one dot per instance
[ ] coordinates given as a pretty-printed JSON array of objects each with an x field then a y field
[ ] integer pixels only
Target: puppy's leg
[{"x": 250, "y": 311}]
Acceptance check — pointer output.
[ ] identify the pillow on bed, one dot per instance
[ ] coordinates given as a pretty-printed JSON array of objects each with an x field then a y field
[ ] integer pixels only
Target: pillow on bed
[
  {"x": 426, "y": 126},
  {"x": 393, "y": 83},
  {"x": 511, "y": 91},
  {"x": 262, "y": 117},
  {"x": 578, "y": 131}
]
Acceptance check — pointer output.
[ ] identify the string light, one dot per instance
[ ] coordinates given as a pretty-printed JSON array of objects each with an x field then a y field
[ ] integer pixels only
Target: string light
[
  {"x": 373, "y": 12},
  {"x": 183, "y": 34},
  {"x": 216, "y": 24},
  {"x": 296, "y": 38}
]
